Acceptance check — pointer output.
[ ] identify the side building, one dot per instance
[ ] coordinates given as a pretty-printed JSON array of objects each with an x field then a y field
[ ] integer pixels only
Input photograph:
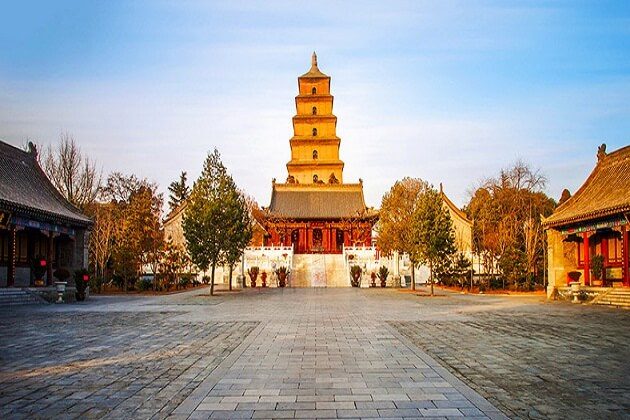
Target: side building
[
  {"x": 593, "y": 225},
  {"x": 40, "y": 230}
]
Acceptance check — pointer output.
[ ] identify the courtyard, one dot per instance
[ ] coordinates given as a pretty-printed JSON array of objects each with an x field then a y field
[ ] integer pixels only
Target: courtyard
[{"x": 314, "y": 353}]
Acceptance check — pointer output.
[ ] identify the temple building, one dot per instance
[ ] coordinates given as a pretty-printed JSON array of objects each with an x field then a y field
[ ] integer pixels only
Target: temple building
[
  {"x": 39, "y": 229},
  {"x": 593, "y": 224},
  {"x": 314, "y": 210}
]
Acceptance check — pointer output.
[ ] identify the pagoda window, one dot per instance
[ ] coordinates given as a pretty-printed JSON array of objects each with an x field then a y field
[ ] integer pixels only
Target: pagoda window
[
  {"x": 314, "y": 132},
  {"x": 314, "y": 110},
  {"x": 315, "y": 154},
  {"x": 314, "y": 91},
  {"x": 315, "y": 179}
]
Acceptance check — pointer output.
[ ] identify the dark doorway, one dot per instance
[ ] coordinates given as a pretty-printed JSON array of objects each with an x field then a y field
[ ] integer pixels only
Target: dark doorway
[{"x": 339, "y": 240}]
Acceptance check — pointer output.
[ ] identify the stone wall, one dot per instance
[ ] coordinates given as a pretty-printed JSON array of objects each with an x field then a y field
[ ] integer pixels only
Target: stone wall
[{"x": 562, "y": 259}]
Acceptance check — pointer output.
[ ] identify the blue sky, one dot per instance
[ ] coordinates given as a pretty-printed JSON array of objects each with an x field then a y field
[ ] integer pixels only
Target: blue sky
[{"x": 447, "y": 91}]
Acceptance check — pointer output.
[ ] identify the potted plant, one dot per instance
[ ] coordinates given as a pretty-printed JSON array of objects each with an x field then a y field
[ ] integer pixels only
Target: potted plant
[
  {"x": 62, "y": 274},
  {"x": 597, "y": 270},
  {"x": 373, "y": 277},
  {"x": 38, "y": 268},
  {"x": 282, "y": 272},
  {"x": 252, "y": 272},
  {"x": 81, "y": 280},
  {"x": 355, "y": 272},
  {"x": 573, "y": 276},
  {"x": 263, "y": 276},
  {"x": 383, "y": 272}
]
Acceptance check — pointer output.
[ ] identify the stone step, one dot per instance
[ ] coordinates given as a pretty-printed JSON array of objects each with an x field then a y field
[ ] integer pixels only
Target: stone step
[
  {"x": 11, "y": 297},
  {"x": 615, "y": 299}
]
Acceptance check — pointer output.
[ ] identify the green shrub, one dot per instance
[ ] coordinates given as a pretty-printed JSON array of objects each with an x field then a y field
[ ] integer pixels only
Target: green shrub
[
  {"x": 81, "y": 281},
  {"x": 143, "y": 285},
  {"x": 184, "y": 282},
  {"x": 118, "y": 281},
  {"x": 62, "y": 274},
  {"x": 96, "y": 284}
]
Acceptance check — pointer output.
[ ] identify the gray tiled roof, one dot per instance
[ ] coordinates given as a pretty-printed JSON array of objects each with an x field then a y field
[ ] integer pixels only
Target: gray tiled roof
[
  {"x": 324, "y": 204},
  {"x": 605, "y": 193},
  {"x": 25, "y": 189}
]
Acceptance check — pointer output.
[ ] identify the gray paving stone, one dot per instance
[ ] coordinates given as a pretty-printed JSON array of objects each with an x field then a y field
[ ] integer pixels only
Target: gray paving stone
[{"x": 259, "y": 352}]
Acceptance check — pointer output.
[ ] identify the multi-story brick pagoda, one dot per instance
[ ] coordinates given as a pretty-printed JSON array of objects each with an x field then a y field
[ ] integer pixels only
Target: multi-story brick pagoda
[{"x": 315, "y": 211}]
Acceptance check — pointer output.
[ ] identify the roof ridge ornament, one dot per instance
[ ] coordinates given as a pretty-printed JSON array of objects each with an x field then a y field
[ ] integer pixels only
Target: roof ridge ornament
[
  {"x": 32, "y": 149},
  {"x": 314, "y": 60},
  {"x": 601, "y": 152}
]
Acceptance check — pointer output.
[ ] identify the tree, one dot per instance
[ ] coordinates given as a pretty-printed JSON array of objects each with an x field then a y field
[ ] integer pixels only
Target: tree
[
  {"x": 72, "y": 172},
  {"x": 102, "y": 236},
  {"x": 507, "y": 230},
  {"x": 214, "y": 213},
  {"x": 397, "y": 209},
  {"x": 239, "y": 232},
  {"x": 179, "y": 192},
  {"x": 138, "y": 235},
  {"x": 174, "y": 261},
  {"x": 432, "y": 230}
]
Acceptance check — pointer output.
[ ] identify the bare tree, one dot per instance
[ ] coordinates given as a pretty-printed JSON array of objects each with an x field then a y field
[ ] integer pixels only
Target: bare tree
[
  {"x": 102, "y": 237},
  {"x": 71, "y": 172}
]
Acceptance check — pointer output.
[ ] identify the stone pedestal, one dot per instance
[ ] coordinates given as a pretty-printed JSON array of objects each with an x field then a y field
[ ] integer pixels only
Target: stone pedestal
[{"x": 396, "y": 282}]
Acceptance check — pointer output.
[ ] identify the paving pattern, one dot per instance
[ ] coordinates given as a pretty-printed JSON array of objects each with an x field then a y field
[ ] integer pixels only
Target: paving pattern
[
  {"x": 114, "y": 365},
  {"x": 538, "y": 361},
  {"x": 313, "y": 353}
]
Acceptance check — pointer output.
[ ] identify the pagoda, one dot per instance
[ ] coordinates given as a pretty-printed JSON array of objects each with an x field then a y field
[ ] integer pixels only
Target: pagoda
[{"x": 314, "y": 210}]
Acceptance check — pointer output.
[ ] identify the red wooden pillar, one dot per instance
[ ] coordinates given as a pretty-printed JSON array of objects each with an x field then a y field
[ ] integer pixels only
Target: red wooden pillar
[
  {"x": 309, "y": 239},
  {"x": 49, "y": 259},
  {"x": 587, "y": 260},
  {"x": 624, "y": 256},
  {"x": 11, "y": 267}
]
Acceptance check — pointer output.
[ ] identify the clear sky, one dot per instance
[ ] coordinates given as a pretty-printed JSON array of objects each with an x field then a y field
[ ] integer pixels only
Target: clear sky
[{"x": 448, "y": 91}]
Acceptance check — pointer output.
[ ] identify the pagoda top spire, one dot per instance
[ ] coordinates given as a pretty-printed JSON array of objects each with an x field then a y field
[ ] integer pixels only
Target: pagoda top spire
[{"x": 314, "y": 71}]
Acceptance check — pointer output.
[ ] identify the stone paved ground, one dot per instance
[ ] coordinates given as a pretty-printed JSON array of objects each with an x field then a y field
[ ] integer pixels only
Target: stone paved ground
[
  {"x": 312, "y": 353},
  {"x": 115, "y": 365},
  {"x": 540, "y": 361}
]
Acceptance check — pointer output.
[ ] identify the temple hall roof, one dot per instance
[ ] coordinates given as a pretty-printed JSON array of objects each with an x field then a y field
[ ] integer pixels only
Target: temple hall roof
[
  {"x": 318, "y": 202},
  {"x": 26, "y": 190},
  {"x": 605, "y": 193}
]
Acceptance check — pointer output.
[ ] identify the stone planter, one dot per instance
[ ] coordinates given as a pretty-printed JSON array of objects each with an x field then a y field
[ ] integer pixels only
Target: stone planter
[
  {"x": 575, "y": 291},
  {"x": 61, "y": 290}
]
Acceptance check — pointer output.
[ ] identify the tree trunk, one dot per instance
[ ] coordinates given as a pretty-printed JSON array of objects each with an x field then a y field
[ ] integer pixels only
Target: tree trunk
[
  {"x": 212, "y": 280},
  {"x": 413, "y": 275},
  {"x": 230, "y": 281},
  {"x": 431, "y": 275}
]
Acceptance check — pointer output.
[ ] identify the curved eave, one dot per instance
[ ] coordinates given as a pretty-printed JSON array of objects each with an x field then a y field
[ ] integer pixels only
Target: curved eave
[
  {"x": 598, "y": 214},
  {"x": 556, "y": 219},
  {"x": 456, "y": 209},
  {"x": 44, "y": 215}
]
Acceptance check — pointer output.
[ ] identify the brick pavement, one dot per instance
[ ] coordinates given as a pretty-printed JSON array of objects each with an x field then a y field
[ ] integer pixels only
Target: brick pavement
[
  {"x": 343, "y": 353},
  {"x": 112, "y": 365},
  {"x": 554, "y": 360}
]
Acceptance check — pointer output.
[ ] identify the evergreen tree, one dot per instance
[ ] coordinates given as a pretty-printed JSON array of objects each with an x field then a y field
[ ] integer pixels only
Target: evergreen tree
[
  {"x": 432, "y": 228},
  {"x": 179, "y": 192},
  {"x": 214, "y": 217},
  {"x": 240, "y": 232}
]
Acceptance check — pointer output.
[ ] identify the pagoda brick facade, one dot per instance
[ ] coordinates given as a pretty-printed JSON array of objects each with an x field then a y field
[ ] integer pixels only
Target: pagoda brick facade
[{"x": 314, "y": 145}]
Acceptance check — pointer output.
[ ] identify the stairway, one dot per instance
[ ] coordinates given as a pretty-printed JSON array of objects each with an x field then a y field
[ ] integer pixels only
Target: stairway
[
  {"x": 619, "y": 297},
  {"x": 318, "y": 270},
  {"x": 10, "y": 297}
]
